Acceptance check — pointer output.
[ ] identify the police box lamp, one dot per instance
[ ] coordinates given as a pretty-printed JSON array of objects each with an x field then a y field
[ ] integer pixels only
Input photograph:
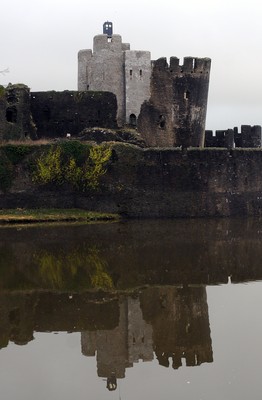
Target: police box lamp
[{"x": 108, "y": 29}]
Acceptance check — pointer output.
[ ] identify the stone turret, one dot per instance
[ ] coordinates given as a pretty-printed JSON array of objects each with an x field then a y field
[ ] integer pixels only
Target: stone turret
[{"x": 176, "y": 111}]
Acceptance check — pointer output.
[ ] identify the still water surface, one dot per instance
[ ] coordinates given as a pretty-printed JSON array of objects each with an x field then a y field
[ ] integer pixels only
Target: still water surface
[{"x": 151, "y": 309}]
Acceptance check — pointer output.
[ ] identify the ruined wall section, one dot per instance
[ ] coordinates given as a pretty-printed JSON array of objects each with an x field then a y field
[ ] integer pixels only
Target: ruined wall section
[
  {"x": 176, "y": 112},
  {"x": 137, "y": 82},
  {"x": 103, "y": 70},
  {"x": 57, "y": 113},
  {"x": 15, "y": 117}
]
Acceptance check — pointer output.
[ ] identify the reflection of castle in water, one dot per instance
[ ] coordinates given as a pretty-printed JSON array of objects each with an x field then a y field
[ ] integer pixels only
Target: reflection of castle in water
[
  {"x": 119, "y": 348},
  {"x": 172, "y": 322}
]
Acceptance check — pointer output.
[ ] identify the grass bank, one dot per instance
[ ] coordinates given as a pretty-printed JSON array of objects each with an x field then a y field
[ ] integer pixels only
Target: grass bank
[{"x": 24, "y": 216}]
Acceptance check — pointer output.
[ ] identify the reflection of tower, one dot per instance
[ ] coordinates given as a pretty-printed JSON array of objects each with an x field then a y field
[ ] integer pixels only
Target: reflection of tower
[
  {"x": 119, "y": 348},
  {"x": 17, "y": 313},
  {"x": 140, "y": 345},
  {"x": 179, "y": 317}
]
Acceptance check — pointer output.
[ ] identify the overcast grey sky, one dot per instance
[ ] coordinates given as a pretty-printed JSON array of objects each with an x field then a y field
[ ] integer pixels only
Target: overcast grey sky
[{"x": 40, "y": 40}]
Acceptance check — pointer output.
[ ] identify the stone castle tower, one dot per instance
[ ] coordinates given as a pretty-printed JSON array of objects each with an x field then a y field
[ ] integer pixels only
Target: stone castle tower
[
  {"x": 176, "y": 110},
  {"x": 113, "y": 67},
  {"x": 167, "y": 103}
]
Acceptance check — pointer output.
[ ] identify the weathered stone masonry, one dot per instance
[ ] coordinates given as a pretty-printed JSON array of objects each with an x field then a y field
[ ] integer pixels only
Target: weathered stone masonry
[
  {"x": 113, "y": 67},
  {"x": 15, "y": 117},
  {"x": 53, "y": 114},
  {"x": 248, "y": 137},
  {"x": 175, "y": 114},
  {"x": 57, "y": 113},
  {"x": 160, "y": 183},
  {"x": 170, "y": 102}
]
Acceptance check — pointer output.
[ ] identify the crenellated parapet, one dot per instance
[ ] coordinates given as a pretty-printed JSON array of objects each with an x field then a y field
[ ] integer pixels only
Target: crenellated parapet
[
  {"x": 248, "y": 137},
  {"x": 191, "y": 65}
]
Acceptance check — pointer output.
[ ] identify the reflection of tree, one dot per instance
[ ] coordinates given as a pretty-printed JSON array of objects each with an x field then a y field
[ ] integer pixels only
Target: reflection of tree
[
  {"x": 99, "y": 277},
  {"x": 83, "y": 269}
]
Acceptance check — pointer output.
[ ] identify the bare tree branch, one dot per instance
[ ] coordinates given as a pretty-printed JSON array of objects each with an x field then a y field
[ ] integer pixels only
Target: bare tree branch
[{"x": 4, "y": 71}]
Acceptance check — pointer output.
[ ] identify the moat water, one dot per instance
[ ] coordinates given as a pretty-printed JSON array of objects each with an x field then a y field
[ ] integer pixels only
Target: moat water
[{"x": 140, "y": 309}]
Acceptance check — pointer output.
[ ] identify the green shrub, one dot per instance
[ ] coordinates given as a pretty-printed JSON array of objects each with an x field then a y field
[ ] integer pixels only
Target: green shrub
[
  {"x": 49, "y": 167},
  {"x": 73, "y": 173},
  {"x": 80, "y": 166},
  {"x": 95, "y": 166}
]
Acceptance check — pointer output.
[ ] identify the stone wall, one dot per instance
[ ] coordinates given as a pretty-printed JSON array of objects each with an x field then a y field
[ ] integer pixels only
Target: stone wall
[
  {"x": 57, "y": 113},
  {"x": 248, "y": 137},
  {"x": 53, "y": 114},
  {"x": 158, "y": 183},
  {"x": 176, "y": 111}
]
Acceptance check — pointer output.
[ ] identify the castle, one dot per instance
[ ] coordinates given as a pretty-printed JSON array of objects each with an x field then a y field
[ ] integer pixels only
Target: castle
[{"x": 167, "y": 103}]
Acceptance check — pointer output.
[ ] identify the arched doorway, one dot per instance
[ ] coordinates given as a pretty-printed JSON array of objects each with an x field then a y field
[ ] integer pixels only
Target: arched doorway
[{"x": 132, "y": 119}]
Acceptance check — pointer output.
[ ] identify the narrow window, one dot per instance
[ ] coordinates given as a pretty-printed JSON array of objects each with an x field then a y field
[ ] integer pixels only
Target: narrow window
[
  {"x": 140, "y": 73},
  {"x": 187, "y": 95},
  {"x": 130, "y": 73}
]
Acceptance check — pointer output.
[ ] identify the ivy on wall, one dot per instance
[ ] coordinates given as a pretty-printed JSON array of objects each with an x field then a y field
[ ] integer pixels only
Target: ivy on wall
[
  {"x": 69, "y": 162},
  {"x": 78, "y": 165}
]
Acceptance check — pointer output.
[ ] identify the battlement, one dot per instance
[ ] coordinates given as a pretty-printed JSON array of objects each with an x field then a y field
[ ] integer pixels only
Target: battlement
[
  {"x": 191, "y": 65},
  {"x": 193, "y": 357},
  {"x": 248, "y": 137}
]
